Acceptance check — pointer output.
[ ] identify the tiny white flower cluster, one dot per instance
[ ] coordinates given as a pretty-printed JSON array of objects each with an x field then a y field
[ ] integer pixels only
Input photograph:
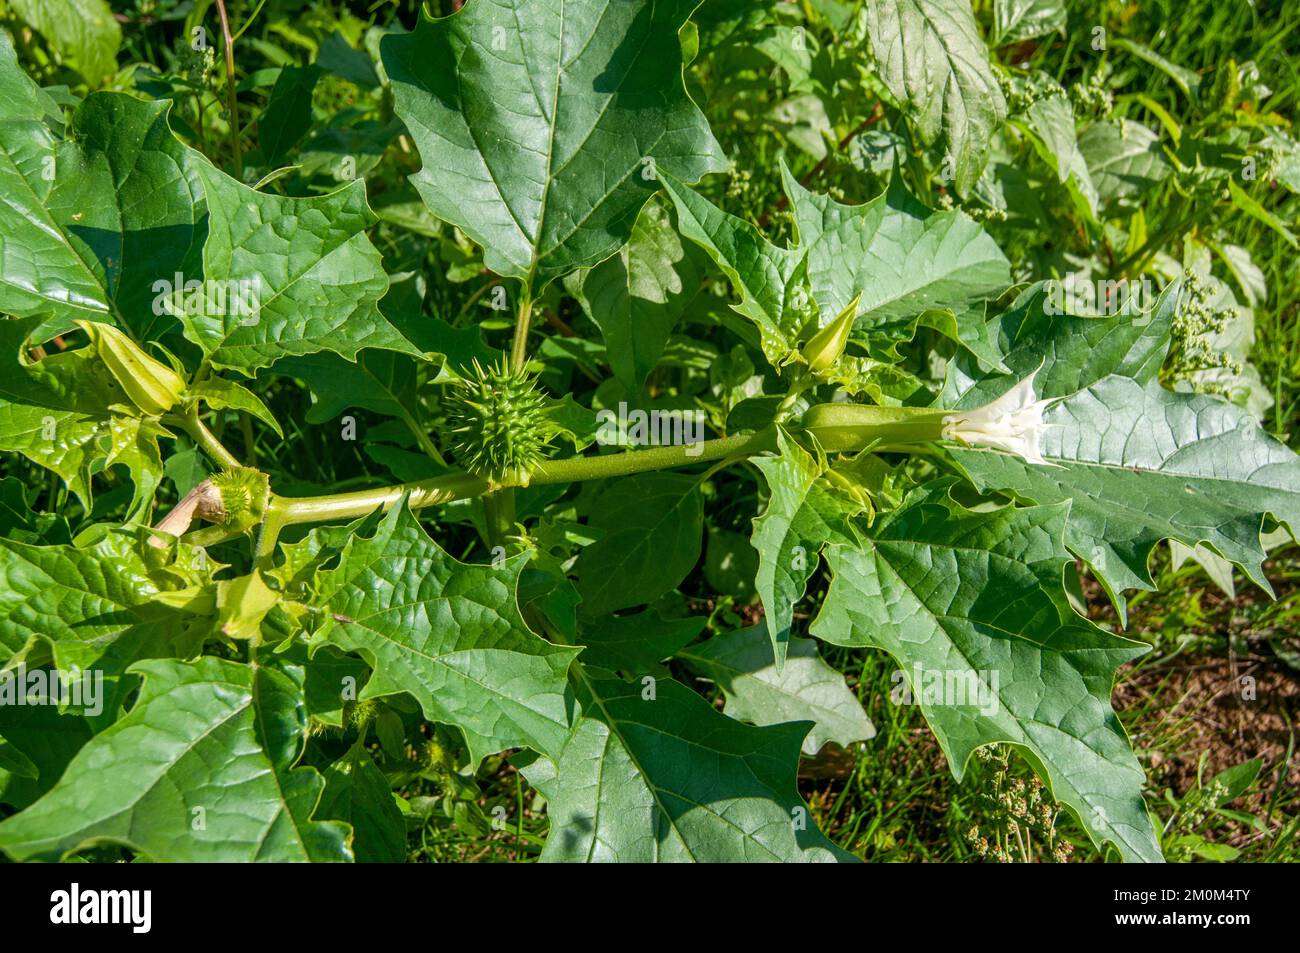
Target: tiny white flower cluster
[{"x": 1013, "y": 422}]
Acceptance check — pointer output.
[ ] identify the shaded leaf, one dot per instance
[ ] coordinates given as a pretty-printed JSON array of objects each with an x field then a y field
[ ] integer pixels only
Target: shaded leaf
[
  {"x": 636, "y": 643},
  {"x": 804, "y": 689},
  {"x": 653, "y": 529},
  {"x": 670, "y": 779},
  {"x": 357, "y": 793}
]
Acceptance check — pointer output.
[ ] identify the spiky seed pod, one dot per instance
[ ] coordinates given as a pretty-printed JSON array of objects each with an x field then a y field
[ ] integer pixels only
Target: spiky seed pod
[
  {"x": 243, "y": 493},
  {"x": 497, "y": 424}
]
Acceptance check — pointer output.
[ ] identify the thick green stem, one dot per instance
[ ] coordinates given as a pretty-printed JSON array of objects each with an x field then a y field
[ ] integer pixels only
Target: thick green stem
[
  {"x": 342, "y": 506},
  {"x": 499, "y": 508},
  {"x": 204, "y": 437},
  {"x": 457, "y": 486},
  {"x": 519, "y": 348},
  {"x": 272, "y": 522},
  {"x": 836, "y": 427}
]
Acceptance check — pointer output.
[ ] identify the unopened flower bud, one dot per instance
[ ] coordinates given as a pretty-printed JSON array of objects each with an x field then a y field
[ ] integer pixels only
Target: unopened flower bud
[
  {"x": 825, "y": 347},
  {"x": 151, "y": 385}
]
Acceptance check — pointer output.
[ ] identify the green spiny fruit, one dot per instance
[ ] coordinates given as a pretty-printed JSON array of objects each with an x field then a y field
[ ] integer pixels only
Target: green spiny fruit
[
  {"x": 243, "y": 493},
  {"x": 363, "y": 713},
  {"x": 498, "y": 424}
]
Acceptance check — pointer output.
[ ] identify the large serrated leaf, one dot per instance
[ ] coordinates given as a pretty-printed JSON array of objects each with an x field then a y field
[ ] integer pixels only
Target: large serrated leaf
[
  {"x": 542, "y": 123},
  {"x": 124, "y": 224},
  {"x": 90, "y": 605},
  {"x": 976, "y": 601},
  {"x": 667, "y": 778},
  {"x": 200, "y": 769},
  {"x": 450, "y": 634},
  {"x": 905, "y": 262},
  {"x": 309, "y": 266},
  {"x": 1138, "y": 463}
]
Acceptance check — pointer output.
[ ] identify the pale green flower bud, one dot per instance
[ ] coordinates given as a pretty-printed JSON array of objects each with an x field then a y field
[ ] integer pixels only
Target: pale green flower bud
[
  {"x": 825, "y": 347},
  {"x": 151, "y": 385}
]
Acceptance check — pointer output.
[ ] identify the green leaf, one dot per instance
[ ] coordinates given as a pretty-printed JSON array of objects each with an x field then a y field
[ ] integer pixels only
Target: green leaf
[
  {"x": 68, "y": 414},
  {"x": 90, "y": 224},
  {"x": 653, "y": 529},
  {"x": 636, "y": 643},
  {"x": 804, "y": 689},
  {"x": 186, "y": 469},
  {"x": 91, "y": 605},
  {"x": 13, "y": 763},
  {"x": 40, "y": 269},
  {"x": 1124, "y": 159},
  {"x": 382, "y": 381},
  {"x": 772, "y": 282},
  {"x": 542, "y": 123},
  {"x": 129, "y": 199},
  {"x": 637, "y": 296},
  {"x": 906, "y": 265},
  {"x": 46, "y": 739},
  {"x": 339, "y": 57},
  {"x": 450, "y": 634},
  {"x": 131, "y": 227},
  {"x": 904, "y": 260},
  {"x": 222, "y": 394},
  {"x": 1142, "y": 464},
  {"x": 803, "y": 514},
  {"x": 1137, "y": 463},
  {"x": 1185, "y": 79},
  {"x": 1069, "y": 352},
  {"x": 385, "y": 381},
  {"x": 200, "y": 769},
  {"x": 670, "y": 779},
  {"x": 1050, "y": 123},
  {"x": 973, "y": 609},
  {"x": 357, "y": 793},
  {"x": 288, "y": 112},
  {"x": 1247, "y": 204},
  {"x": 315, "y": 285},
  {"x": 1016, "y": 20},
  {"x": 82, "y": 32},
  {"x": 930, "y": 56}
]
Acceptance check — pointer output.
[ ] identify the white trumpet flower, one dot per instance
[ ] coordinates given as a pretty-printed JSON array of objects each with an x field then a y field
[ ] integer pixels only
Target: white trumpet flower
[{"x": 1013, "y": 422}]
